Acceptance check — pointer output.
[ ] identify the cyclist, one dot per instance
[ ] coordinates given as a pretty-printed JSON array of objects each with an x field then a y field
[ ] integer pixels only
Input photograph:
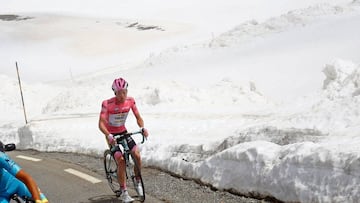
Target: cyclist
[
  {"x": 14, "y": 180},
  {"x": 114, "y": 112}
]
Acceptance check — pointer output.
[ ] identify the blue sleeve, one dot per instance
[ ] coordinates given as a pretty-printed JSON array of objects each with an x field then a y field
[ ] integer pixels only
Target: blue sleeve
[{"x": 8, "y": 164}]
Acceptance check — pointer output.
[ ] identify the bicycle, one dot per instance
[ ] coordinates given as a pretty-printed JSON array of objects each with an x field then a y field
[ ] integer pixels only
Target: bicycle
[{"x": 131, "y": 164}]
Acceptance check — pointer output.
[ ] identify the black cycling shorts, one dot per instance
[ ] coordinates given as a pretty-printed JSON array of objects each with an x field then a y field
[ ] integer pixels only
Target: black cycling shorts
[{"x": 130, "y": 141}]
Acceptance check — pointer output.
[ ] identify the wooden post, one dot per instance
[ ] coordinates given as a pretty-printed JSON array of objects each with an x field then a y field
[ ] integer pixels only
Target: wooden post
[{"x": 22, "y": 97}]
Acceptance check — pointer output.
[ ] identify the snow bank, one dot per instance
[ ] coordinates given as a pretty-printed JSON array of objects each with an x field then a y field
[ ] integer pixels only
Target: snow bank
[
  {"x": 305, "y": 172},
  {"x": 299, "y": 163}
]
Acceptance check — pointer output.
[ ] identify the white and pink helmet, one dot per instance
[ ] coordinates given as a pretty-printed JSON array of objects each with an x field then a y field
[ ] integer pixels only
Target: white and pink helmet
[{"x": 119, "y": 84}]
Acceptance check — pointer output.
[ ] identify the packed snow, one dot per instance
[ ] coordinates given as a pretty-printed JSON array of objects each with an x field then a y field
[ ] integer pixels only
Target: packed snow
[{"x": 259, "y": 97}]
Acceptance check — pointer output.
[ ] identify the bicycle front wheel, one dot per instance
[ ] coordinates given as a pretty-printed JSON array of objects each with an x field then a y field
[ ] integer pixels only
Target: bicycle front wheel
[
  {"x": 110, "y": 167},
  {"x": 135, "y": 181}
]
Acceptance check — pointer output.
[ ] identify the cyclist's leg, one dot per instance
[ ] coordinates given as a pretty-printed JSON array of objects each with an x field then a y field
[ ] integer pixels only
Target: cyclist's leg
[
  {"x": 136, "y": 154},
  {"x": 22, "y": 190},
  {"x": 15, "y": 186},
  {"x": 119, "y": 158},
  {"x": 137, "y": 179}
]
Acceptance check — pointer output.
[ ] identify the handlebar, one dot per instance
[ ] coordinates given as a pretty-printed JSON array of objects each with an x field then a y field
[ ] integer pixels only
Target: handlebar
[{"x": 120, "y": 137}]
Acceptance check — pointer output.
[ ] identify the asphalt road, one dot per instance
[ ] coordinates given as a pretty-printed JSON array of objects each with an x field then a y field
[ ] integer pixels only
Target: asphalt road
[{"x": 52, "y": 173}]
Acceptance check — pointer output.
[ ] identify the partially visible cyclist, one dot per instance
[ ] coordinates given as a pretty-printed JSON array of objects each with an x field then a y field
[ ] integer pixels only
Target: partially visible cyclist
[
  {"x": 112, "y": 119},
  {"x": 14, "y": 180}
]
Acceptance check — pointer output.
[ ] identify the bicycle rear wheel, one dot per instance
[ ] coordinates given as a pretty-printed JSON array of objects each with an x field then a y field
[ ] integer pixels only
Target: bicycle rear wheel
[
  {"x": 110, "y": 166},
  {"x": 131, "y": 178}
]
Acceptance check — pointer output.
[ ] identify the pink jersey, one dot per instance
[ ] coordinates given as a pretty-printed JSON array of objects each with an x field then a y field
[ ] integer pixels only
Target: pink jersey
[{"x": 116, "y": 113}]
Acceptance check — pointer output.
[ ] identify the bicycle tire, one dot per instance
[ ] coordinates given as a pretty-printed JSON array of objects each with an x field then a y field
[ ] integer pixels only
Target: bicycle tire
[
  {"x": 110, "y": 167},
  {"x": 130, "y": 176}
]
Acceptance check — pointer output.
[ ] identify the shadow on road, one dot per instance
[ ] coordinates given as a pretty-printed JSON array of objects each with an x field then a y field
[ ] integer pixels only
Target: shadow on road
[
  {"x": 106, "y": 199},
  {"x": 103, "y": 199}
]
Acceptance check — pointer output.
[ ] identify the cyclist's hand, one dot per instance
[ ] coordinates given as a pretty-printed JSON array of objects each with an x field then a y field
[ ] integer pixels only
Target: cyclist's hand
[
  {"x": 111, "y": 139},
  {"x": 144, "y": 132}
]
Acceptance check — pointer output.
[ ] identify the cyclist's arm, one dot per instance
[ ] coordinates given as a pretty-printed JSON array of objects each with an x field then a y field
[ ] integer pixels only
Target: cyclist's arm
[
  {"x": 139, "y": 120},
  {"x": 102, "y": 119},
  {"x": 102, "y": 126},
  {"x": 30, "y": 184},
  {"x": 138, "y": 117},
  {"x": 135, "y": 110}
]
